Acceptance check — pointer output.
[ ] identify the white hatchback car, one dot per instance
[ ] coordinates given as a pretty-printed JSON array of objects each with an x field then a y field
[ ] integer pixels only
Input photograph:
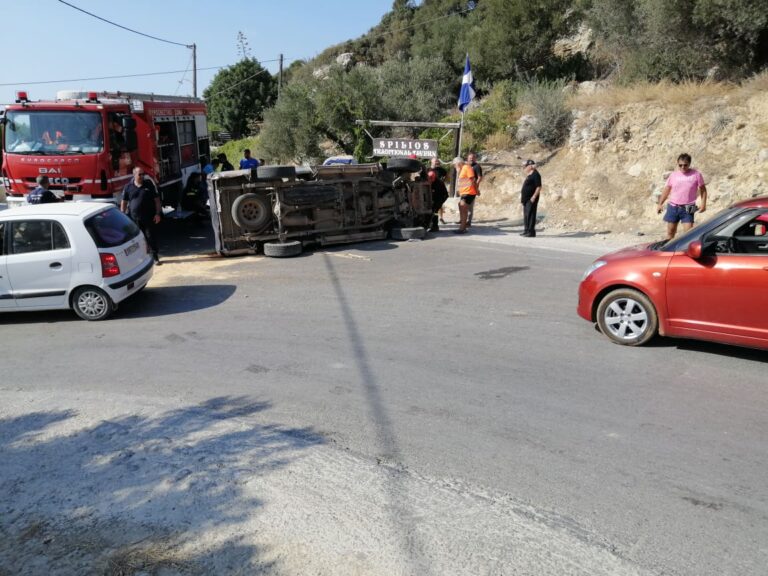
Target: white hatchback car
[{"x": 87, "y": 256}]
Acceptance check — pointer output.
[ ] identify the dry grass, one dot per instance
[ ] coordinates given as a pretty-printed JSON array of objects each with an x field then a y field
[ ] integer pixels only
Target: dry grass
[
  {"x": 502, "y": 140},
  {"x": 149, "y": 558},
  {"x": 670, "y": 94},
  {"x": 666, "y": 92}
]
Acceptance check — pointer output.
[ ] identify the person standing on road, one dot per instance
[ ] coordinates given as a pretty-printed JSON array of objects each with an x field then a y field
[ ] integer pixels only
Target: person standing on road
[
  {"x": 472, "y": 160},
  {"x": 467, "y": 188},
  {"x": 682, "y": 187},
  {"x": 226, "y": 165},
  {"x": 142, "y": 203},
  {"x": 436, "y": 177},
  {"x": 248, "y": 163},
  {"x": 529, "y": 198},
  {"x": 41, "y": 194}
]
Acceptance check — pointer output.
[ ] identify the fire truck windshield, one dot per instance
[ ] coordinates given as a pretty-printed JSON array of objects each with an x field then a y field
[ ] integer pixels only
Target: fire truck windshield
[{"x": 53, "y": 132}]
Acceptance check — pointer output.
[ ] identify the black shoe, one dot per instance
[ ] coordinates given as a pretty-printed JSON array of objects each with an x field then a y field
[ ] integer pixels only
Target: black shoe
[
  {"x": 434, "y": 229},
  {"x": 524, "y": 234},
  {"x": 157, "y": 260},
  {"x": 460, "y": 231}
]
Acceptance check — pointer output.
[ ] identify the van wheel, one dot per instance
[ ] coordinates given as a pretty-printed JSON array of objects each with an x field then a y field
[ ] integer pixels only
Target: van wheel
[
  {"x": 276, "y": 172},
  {"x": 404, "y": 165},
  {"x": 92, "y": 303},
  {"x": 627, "y": 317},
  {"x": 251, "y": 212},
  {"x": 282, "y": 249},
  {"x": 407, "y": 233}
]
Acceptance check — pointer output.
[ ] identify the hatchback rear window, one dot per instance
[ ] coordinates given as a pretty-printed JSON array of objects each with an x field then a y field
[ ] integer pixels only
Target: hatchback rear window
[{"x": 111, "y": 228}]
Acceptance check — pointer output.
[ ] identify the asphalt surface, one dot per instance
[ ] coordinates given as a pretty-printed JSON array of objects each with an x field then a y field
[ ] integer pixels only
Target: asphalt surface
[{"x": 458, "y": 365}]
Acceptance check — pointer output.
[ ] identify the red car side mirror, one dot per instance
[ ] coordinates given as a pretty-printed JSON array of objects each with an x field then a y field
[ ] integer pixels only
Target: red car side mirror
[{"x": 695, "y": 250}]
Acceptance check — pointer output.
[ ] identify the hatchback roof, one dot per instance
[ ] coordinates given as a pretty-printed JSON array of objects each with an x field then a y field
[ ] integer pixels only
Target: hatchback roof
[{"x": 57, "y": 209}]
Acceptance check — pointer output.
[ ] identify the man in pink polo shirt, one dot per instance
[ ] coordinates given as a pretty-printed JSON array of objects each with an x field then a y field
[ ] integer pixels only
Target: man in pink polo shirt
[{"x": 682, "y": 188}]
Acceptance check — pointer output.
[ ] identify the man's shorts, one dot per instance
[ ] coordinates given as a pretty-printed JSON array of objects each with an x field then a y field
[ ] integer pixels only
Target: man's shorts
[
  {"x": 675, "y": 214},
  {"x": 468, "y": 199}
]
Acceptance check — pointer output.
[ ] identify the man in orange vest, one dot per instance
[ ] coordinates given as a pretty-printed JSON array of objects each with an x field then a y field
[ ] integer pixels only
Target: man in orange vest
[{"x": 466, "y": 184}]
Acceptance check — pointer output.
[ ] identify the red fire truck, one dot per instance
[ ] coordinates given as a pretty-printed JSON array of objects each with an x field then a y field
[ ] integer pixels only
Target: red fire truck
[{"x": 88, "y": 144}]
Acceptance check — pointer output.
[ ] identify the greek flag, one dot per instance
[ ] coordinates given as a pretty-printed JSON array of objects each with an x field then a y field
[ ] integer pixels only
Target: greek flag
[{"x": 467, "y": 87}]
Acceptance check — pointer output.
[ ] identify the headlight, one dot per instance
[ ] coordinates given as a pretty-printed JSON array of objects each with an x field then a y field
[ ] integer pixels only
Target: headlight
[{"x": 592, "y": 267}]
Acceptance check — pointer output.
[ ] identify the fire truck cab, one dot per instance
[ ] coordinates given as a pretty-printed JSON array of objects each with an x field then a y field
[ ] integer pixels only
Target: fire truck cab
[{"x": 88, "y": 144}]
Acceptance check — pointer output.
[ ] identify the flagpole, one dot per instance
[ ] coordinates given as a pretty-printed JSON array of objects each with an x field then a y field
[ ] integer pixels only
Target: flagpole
[{"x": 458, "y": 150}]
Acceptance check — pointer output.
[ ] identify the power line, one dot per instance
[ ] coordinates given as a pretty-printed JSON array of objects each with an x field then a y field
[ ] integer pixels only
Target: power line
[
  {"x": 124, "y": 27},
  {"x": 115, "y": 77}
]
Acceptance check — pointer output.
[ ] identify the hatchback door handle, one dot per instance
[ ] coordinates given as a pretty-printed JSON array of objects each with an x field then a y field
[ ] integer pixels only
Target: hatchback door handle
[{"x": 55, "y": 265}]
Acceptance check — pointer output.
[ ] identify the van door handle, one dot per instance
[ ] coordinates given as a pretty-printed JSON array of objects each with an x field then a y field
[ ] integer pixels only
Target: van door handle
[{"x": 55, "y": 265}]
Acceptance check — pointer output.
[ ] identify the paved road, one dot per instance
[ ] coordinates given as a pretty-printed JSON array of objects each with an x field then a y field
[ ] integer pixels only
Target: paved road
[{"x": 430, "y": 407}]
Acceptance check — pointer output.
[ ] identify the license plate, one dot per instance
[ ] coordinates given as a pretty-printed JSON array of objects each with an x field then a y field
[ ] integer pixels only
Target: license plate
[{"x": 131, "y": 249}]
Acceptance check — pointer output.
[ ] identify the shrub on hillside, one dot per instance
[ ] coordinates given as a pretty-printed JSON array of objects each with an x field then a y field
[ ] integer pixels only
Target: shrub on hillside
[{"x": 547, "y": 102}]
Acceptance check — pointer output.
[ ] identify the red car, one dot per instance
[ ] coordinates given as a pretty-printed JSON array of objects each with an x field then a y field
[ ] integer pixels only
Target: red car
[{"x": 709, "y": 284}]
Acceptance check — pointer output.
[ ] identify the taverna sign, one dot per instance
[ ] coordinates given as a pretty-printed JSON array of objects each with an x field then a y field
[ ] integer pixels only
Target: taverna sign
[{"x": 400, "y": 147}]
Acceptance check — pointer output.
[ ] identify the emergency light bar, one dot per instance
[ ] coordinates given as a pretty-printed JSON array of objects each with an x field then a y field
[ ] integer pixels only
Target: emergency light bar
[{"x": 21, "y": 96}]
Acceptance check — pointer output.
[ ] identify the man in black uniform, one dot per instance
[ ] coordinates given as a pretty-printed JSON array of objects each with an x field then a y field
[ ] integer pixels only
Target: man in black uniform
[
  {"x": 41, "y": 194},
  {"x": 142, "y": 203},
  {"x": 436, "y": 177},
  {"x": 226, "y": 165},
  {"x": 529, "y": 197}
]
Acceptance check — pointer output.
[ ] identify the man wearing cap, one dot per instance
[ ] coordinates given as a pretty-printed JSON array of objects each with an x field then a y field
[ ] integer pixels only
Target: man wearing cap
[
  {"x": 529, "y": 197},
  {"x": 467, "y": 186}
]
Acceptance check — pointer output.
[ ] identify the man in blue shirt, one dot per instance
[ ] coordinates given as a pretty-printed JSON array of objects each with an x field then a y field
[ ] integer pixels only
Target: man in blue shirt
[
  {"x": 248, "y": 163},
  {"x": 41, "y": 194}
]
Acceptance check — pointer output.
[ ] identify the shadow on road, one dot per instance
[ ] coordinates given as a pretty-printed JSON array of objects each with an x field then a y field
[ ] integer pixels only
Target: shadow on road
[
  {"x": 165, "y": 300},
  {"x": 138, "y": 494},
  {"x": 402, "y": 519}
]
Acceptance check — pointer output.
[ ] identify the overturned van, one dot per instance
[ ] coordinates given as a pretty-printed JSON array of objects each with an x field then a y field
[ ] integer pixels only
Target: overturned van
[{"x": 281, "y": 209}]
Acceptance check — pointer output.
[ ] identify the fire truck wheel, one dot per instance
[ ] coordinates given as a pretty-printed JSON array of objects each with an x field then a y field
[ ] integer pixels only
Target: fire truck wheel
[
  {"x": 403, "y": 165},
  {"x": 276, "y": 172},
  {"x": 407, "y": 233},
  {"x": 282, "y": 249},
  {"x": 91, "y": 303},
  {"x": 251, "y": 212}
]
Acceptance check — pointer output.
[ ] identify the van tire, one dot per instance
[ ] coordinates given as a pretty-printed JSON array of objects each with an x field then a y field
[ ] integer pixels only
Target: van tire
[
  {"x": 282, "y": 249},
  {"x": 276, "y": 172},
  {"x": 91, "y": 303},
  {"x": 251, "y": 212},
  {"x": 404, "y": 165}
]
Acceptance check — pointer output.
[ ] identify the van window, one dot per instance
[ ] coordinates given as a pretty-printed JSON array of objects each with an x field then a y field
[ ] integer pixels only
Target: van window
[
  {"x": 2, "y": 237},
  {"x": 111, "y": 228}
]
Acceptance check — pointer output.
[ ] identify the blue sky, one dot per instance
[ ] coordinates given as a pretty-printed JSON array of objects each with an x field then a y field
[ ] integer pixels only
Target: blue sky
[{"x": 46, "y": 40}]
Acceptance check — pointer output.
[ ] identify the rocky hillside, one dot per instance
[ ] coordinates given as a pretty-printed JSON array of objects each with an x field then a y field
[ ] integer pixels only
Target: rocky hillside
[{"x": 622, "y": 145}]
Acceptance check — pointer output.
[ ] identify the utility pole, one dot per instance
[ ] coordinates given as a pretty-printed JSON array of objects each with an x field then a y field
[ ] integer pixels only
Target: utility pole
[
  {"x": 194, "y": 70},
  {"x": 280, "y": 77}
]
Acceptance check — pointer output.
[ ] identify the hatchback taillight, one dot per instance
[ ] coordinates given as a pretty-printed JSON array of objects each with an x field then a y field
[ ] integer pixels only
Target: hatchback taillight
[{"x": 109, "y": 266}]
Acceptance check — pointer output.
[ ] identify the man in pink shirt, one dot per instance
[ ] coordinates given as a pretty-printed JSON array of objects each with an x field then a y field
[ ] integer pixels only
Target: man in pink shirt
[{"x": 682, "y": 188}]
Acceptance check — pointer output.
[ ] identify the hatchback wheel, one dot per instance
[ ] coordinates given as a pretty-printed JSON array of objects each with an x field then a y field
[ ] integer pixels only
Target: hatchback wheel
[
  {"x": 92, "y": 303},
  {"x": 627, "y": 317}
]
